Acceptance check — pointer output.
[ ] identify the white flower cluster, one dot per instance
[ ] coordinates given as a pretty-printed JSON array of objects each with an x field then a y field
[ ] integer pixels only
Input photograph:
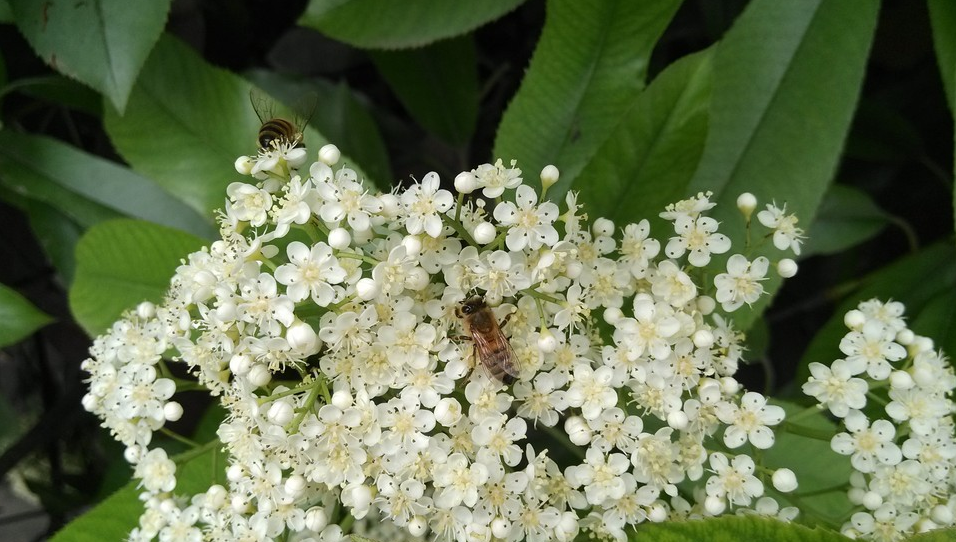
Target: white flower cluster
[
  {"x": 893, "y": 393},
  {"x": 325, "y": 321}
]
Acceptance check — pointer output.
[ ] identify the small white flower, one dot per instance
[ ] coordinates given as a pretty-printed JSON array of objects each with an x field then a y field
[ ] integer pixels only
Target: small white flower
[
  {"x": 749, "y": 421},
  {"x": 741, "y": 283},
  {"x": 495, "y": 179},
  {"x": 872, "y": 349},
  {"x": 310, "y": 272},
  {"x": 529, "y": 224},
  {"x": 699, "y": 237},
  {"x": 835, "y": 387},
  {"x": 786, "y": 233},
  {"x": 733, "y": 479},
  {"x": 157, "y": 471},
  {"x": 425, "y": 202},
  {"x": 867, "y": 445},
  {"x": 248, "y": 203}
]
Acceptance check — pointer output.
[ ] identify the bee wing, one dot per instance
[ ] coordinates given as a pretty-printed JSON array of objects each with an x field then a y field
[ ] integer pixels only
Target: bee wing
[
  {"x": 262, "y": 104},
  {"x": 496, "y": 354}
]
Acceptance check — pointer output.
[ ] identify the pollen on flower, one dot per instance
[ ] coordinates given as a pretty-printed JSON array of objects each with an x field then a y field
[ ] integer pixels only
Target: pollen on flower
[{"x": 324, "y": 322}]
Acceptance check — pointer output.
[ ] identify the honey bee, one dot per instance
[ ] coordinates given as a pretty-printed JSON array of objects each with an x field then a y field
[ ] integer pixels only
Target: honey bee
[
  {"x": 275, "y": 130},
  {"x": 491, "y": 345}
]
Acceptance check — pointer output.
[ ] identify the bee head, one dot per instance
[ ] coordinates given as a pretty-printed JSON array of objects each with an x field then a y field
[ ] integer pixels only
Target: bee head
[{"x": 473, "y": 305}]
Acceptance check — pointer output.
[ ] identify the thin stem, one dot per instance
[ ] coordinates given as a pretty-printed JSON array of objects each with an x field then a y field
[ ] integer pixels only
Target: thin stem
[
  {"x": 354, "y": 256},
  {"x": 195, "y": 452},
  {"x": 460, "y": 230},
  {"x": 176, "y": 436},
  {"x": 818, "y": 434},
  {"x": 809, "y": 411}
]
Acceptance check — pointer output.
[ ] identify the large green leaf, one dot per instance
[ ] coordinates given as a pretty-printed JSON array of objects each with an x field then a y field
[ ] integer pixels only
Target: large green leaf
[
  {"x": 916, "y": 281},
  {"x": 50, "y": 171},
  {"x": 116, "y": 516},
  {"x": 943, "y": 19},
  {"x": 732, "y": 529},
  {"x": 185, "y": 132},
  {"x": 102, "y": 43},
  {"x": 846, "y": 217},
  {"x": 652, "y": 154},
  {"x": 20, "y": 318},
  {"x": 343, "y": 118},
  {"x": 121, "y": 263},
  {"x": 787, "y": 77},
  {"x": 385, "y": 24},
  {"x": 590, "y": 63},
  {"x": 437, "y": 84}
]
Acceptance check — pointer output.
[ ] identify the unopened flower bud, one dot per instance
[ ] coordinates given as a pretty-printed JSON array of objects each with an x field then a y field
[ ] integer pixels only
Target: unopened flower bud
[
  {"x": 905, "y": 337},
  {"x": 391, "y": 206},
  {"x": 549, "y": 176},
  {"x": 703, "y": 338},
  {"x": 316, "y": 519},
  {"x": 240, "y": 364},
  {"x": 146, "y": 310},
  {"x": 872, "y": 500},
  {"x": 547, "y": 342},
  {"x": 578, "y": 431},
  {"x": 448, "y": 411},
  {"x": 714, "y": 505},
  {"x": 901, "y": 380},
  {"x": 367, "y": 289},
  {"x": 259, "y": 375},
  {"x": 342, "y": 399},
  {"x": 329, "y": 154},
  {"x": 133, "y": 454},
  {"x": 706, "y": 304},
  {"x": 172, "y": 411},
  {"x": 784, "y": 480},
  {"x": 613, "y": 315},
  {"x": 339, "y": 238},
  {"x": 302, "y": 338},
  {"x": 295, "y": 485},
  {"x": 603, "y": 226},
  {"x": 412, "y": 244},
  {"x": 216, "y": 496},
  {"x": 747, "y": 202},
  {"x": 244, "y": 165},
  {"x": 280, "y": 412},
  {"x": 786, "y": 268},
  {"x": 485, "y": 233},
  {"x": 417, "y": 279},
  {"x": 854, "y": 319},
  {"x": 466, "y": 182},
  {"x": 417, "y": 526},
  {"x": 677, "y": 419},
  {"x": 500, "y": 528}
]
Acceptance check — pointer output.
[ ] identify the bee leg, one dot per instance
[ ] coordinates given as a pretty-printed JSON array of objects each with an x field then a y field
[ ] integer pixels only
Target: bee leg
[
  {"x": 504, "y": 320},
  {"x": 460, "y": 337}
]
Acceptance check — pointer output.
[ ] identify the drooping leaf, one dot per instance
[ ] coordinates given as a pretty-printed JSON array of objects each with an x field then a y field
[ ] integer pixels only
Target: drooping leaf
[
  {"x": 437, "y": 84},
  {"x": 732, "y": 529},
  {"x": 589, "y": 65},
  {"x": 384, "y": 24},
  {"x": 938, "y": 535},
  {"x": 651, "y": 155},
  {"x": 343, "y": 118},
  {"x": 915, "y": 280},
  {"x": 50, "y": 171},
  {"x": 846, "y": 217},
  {"x": 197, "y": 126},
  {"x": 116, "y": 516},
  {"x": 937, "y": 321},
  {"x": 787, "y": 77},
  {"x": 102, "y": 43},
  {"x": 121, "y": 263},
  {"x": 20, "y": 317}
]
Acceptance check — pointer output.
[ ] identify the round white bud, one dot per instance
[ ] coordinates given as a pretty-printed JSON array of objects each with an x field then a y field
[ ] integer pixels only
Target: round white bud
[
  {"x": 417, "y": 279},
  {"x": 259, "y": 375},
  {"x": 234, "y": 472},
  {"x": 339, "y": 238},
  {"x": 577, "y": 430},
  {"x": 391, "y": 206},
  {"x": 412, "y": 244},
  {"x": 872, "y": 500},
  {"x": 905, "y": 337},
  {"x": 941, "y": 514},
  {"x": 855, "y": 495},
  {"x": 329, "y": 154},
  {"x": 280, "y": 412},
  {"x": 703, "y": 338},
  {"x": 448, "y": 411},
  {"x": 296, "y": 157},
  {"x": 786, "y": 268},
  {"x": 302, "y": 338},
  {"x": 367, "y": 289},
  {"x": 729, "y": 385},
  {"x": 613, "y": 315},
  {"x": 567, "y": 527},
  {"x": 784, "y": 480},
  {"x": 359, "y": 497},
  {"x": 316, "y": 518},
  {"x": 466, "y": 182},
  {"x": 167, "y": 506},
  {"x": 573, "y": 269},
  {"x": 146, "y": 310},
  {"x": 746, "y": 202},
  {"x": 240, "y": 364},
  {"x": 921, "y": 344},
  {"x": 706, "y": 304},
  {"x": 244, "y": 165},
  {"x": 239, "y": 504},
  {"x": 677, "y": 419},
  {"x": 901, "y": 380},
  {"x": 485, "y": 232},
  {"x": 133, "y": 454},
  {"x": 549, "y": 176},
  {"x": 714, "y": 505},
  {"x": 500, "y": 528},
  {"x": 547, "y": 342},
  {"x": 657, "y": 513},
  {"x": 417, "y": 526},
  {"x": 215, "y": 496},
  {"x": 342, "y": 399},
  {"x": 295, "y": 485},
  {"x": 172, "y": 411},
  {"x": 854, "y": 319},
  {"x": 603, "y": 226}
]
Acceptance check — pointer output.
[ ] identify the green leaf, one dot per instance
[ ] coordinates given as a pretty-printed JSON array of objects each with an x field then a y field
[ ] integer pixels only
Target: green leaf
[
  {"x": 65, "y": 177},
  {"x": 384, "y": 24},
  {"x": 943, "y": 19},
  {"x": 6, "y": 13},
  {"x": 651, "y": 155},
  {"x": 60, "y": 90},
  {"x": 937, "y": 320},
  {"x": 343, "y": 118},
  {"x": 102, "y": 43},
  {"x": 20, "y": 318},
  {"x": 733, "y": 529},
  {"x": 55, "y": 231},
  {"x": 916, "y": 281},
  {"x": 787, "y": 77},
  {"x": 116, "y": 516},
  {"x": 939, "y": 535},
  {"x": 121, "y": 263},
  {"x": 590, "y": 63},
  {"x": 437, "y": 84},
  {"x": 198, "y": 126},
  {"x": 846, "y": 217}
]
